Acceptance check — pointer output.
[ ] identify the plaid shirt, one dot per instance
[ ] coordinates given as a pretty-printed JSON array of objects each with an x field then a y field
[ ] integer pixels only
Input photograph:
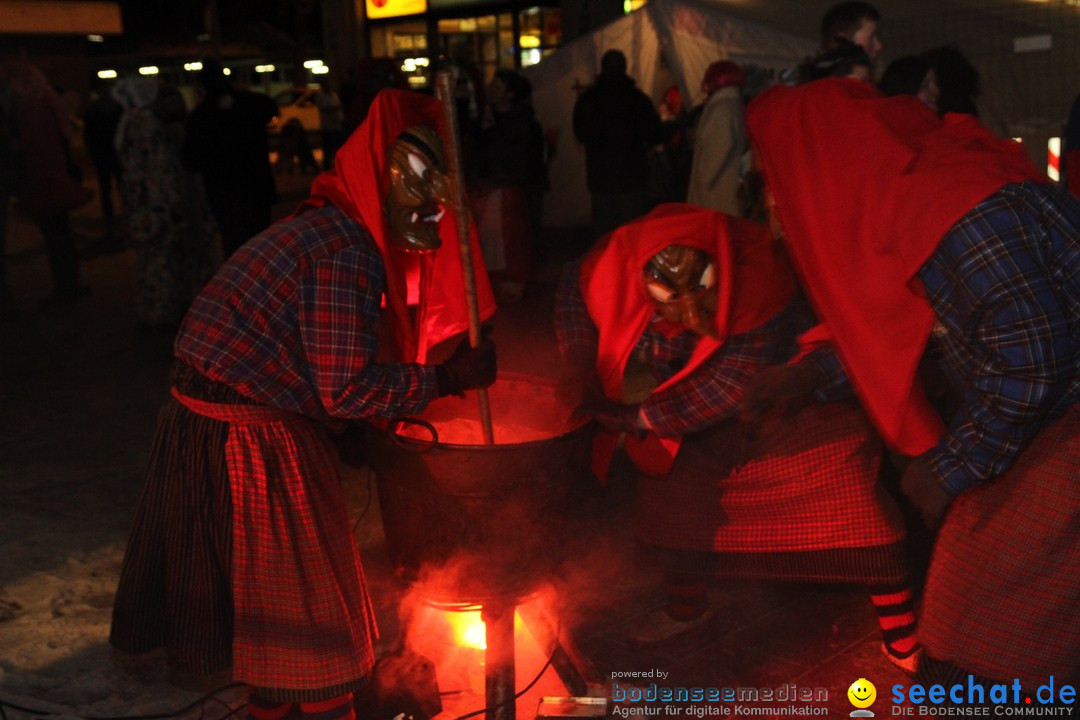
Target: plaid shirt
[
  {"x": 1005, "y": 286},
  {"x": 708, "y": 395},
  {"x": 292, "y": 321}
]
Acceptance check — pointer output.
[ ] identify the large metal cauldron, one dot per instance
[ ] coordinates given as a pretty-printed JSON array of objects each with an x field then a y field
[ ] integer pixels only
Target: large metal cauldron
[{"x": 473, "y": 523}]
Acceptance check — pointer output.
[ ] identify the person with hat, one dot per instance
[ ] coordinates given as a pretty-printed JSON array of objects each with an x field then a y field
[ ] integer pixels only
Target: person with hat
[{"x": 720, "y": 142}]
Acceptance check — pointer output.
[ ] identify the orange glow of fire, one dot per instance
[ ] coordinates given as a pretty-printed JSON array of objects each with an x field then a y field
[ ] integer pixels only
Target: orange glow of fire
[
  {"x": 453, "y": 638},
  {"x": 468, "y": 629}
]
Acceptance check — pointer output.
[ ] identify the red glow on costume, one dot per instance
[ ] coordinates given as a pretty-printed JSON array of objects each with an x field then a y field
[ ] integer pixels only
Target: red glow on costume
[
  {"x": 866, "y": 187},
  {"x": 358, "y": 186},
  {"x": 753, "y": 283},
  {"x": 525, "y": 410}
]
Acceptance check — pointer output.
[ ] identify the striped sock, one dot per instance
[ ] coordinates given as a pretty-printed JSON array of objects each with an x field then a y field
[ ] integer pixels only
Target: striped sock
[
  {"x": 686, "y": 596},
  {"x": 895, "y": 608},
  {"x": 259, "y": 708},
  {"x": 335, "y": 708}
]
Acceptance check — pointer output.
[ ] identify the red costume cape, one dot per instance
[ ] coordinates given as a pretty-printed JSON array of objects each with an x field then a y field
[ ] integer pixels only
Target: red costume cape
[
  {"x": 865, "y": 188},
  {"x": 358, "y": 185},
  {"x": 753, "y": 283}
]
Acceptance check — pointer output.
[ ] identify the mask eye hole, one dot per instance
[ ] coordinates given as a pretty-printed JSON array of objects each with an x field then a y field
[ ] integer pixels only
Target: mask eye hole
[
  {"x": 417, "y": 164},
  {"x": 708, "y": 277},
  {"x": 659, "y": 292}
]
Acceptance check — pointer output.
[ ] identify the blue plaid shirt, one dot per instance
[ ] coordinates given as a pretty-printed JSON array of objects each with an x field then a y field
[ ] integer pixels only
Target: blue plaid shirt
[{"x": 1005, "y": 286}]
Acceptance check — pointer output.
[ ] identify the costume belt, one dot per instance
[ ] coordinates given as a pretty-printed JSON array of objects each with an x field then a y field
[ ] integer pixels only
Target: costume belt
[{"x": 236, "y": 414}]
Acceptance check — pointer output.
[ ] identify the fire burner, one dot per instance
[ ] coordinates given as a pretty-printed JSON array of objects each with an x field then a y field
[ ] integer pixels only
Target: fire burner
[{"x": 482, "y": 525}]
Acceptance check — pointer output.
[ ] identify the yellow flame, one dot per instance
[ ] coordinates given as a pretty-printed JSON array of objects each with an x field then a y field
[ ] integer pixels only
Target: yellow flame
[{"x": 468, "y": 629}]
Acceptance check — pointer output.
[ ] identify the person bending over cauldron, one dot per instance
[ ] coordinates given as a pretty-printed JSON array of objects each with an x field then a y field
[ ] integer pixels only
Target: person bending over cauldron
[
  {"x": 704, "y": 301},
  {"x": 242, "y": 554},
  {"x": 945, "y": 248}
]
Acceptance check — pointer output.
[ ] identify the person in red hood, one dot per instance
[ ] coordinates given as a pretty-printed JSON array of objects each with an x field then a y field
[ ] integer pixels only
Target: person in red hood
[
  {"x": 242, "y": 554},
  {"x": 927, "y": 239},
  {"x": 705, "y": 301}
]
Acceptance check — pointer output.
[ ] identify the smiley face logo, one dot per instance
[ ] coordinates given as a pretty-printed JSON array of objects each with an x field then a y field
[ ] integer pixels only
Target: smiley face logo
[{"x": 862, "y": 693}]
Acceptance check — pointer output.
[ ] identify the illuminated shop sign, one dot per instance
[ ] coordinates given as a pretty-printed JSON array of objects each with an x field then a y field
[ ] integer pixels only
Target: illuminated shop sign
[{"x": 378, "y": 9}]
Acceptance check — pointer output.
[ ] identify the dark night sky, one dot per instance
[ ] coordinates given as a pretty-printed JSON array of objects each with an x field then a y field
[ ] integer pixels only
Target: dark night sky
[
  {"x": 151, "y": 22},
  {"x": 163, "y": 20}
]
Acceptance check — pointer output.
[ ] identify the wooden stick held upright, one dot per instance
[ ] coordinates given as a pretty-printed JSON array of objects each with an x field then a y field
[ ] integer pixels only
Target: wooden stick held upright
[{"x": 444, "y": 84}]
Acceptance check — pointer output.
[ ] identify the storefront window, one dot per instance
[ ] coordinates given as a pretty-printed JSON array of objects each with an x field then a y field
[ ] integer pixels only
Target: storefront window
[
  {"x": 541, "y": 33},
  {"x": 406, "y": 42},
  {"x": 487, "y": 42},
  {"x": 482, "y": 43}
]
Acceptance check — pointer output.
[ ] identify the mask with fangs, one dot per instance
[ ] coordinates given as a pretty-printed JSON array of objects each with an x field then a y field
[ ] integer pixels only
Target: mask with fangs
[
  {"x": 681, "y": 282},
  {"x": 419, "y": 189}
]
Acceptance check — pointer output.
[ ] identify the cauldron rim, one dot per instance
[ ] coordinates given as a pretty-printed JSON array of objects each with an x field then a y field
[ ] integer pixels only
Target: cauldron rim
[{"x": 414, "y": 445}]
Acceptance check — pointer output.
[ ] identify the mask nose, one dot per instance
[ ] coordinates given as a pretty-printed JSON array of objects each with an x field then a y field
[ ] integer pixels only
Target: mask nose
[
  {"x": 692, "y": 319},
  {"x": 688, "y": 313},
  {"x": 440, "y": 188}
]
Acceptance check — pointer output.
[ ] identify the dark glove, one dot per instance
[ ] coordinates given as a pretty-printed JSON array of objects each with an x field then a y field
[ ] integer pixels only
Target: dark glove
[
  {"x": 786, "y": 386},
  {"x": 614, "y": 416},
  {"x": 468, "y": 368},
  {"x": 924, "y": 491},
  {"x": 770, "y": 404}
]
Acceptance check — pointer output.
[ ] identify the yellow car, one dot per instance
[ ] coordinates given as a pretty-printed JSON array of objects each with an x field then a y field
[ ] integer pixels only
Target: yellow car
[{"x": 298, "y": 103}]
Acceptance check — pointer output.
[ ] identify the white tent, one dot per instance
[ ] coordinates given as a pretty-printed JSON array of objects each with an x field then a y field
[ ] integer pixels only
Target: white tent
[{"x": 665, "y": 42}]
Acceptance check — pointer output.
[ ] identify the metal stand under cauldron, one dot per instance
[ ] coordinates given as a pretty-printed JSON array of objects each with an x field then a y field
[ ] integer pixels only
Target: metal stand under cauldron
[{"x": 492, "y": 517}]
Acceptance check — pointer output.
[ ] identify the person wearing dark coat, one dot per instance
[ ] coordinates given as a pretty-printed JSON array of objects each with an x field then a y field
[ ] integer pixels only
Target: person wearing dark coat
[
  {"x": 99, "y": 133},
  {"x": 618, "y": 124},
  {"x": 1070, "y": 155},
  {"x": 512, "y": 179},
  {"x": 226, "y": 142},
  {"x": 957, "y": 79}
]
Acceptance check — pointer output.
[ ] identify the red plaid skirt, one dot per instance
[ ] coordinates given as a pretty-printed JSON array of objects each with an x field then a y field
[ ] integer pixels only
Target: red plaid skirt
[
  {"x": 302, "y": 614},
  {"x": 811, "y": 488},
  {"x": 1002, "y": 597},
  {"x": 283, "y": 597}
]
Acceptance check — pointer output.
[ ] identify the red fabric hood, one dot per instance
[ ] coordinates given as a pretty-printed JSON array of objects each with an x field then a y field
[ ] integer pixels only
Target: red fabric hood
[
  {"x": 753, "y": 283},
  {"x": 865, "y": 188},
  {"x": 358, "y": 185}
]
